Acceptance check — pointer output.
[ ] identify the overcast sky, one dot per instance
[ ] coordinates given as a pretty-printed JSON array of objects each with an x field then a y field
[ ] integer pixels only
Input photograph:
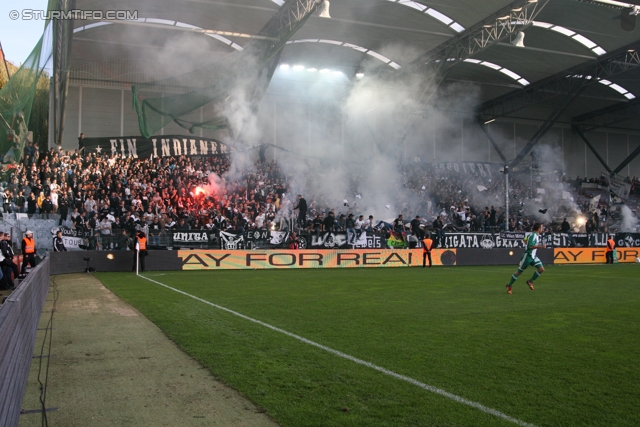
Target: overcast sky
[{"x": 18, "y": 37}]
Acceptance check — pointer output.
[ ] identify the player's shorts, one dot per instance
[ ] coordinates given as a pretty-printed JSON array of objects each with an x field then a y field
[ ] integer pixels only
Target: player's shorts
[{"x": 528, "y": 260}]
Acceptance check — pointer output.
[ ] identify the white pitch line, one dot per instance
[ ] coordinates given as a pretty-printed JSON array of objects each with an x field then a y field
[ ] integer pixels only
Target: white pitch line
[{"x": 422, "y": 385}]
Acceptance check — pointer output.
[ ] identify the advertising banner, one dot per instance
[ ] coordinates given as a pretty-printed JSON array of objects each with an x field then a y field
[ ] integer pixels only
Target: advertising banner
[
  {"x": 256, "y": 259},
  {"x": 592, "y": 255}
]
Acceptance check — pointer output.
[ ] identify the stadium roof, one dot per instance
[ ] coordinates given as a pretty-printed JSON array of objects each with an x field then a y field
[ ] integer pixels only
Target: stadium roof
[{"x": 566, "y": 37}]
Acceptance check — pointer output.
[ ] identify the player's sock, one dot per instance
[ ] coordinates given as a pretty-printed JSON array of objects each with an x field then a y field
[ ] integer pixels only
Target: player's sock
[
  {"x": 513, "y": 279},
  {"x": 535, "y": 276}
]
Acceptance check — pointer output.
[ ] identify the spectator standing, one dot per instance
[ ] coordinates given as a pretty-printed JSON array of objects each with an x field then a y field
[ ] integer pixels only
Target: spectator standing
[
  {"x": 368, "y": 226},
  {"x": 47, "y": 205},
  {"x": 21, "y": 202},
  {"x": 81, "y": 144},
  {"x": 350, "y": 226},
  {"x": 31, "y": 204},
  {"x": 415, "y": 227},
  {"x": 438, "y": 227},
  {"x": 302, "y": 211},
  {"x": 360, "y": 224},
  {"x": 8, "y": 266},
  {"x": 155, "y": 230},
  {"x": 123, "y": 242},
  {"x": 58, "y": 243},
  {"x": 398, "y": 225}
]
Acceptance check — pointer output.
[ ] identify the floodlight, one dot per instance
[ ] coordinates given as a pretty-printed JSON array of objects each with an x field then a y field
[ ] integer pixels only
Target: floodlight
[
  {"x": 518, "y": 40},
  {"x": 324, "y": 9}
]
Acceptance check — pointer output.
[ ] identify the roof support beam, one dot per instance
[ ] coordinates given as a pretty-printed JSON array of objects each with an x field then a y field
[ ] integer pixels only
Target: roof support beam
[
  {"x": 255, "y": 64},
  {"x": 563, "y": 83},
  {"x": 493, "y": 142},
  {"x": 628, "y": 160},
  {"x": 62, "y": 36},
  {"x": 500, "y": 26},
  {"x": 592, "y": 148},
  {"x": 548, "y": 124},
  {"x": 608, "y": 116}
]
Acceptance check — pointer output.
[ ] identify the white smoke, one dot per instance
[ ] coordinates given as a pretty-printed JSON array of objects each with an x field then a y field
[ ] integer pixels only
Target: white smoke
[
  {"x": 216, "y": 186},
  {"x": 629, "y": 220}
]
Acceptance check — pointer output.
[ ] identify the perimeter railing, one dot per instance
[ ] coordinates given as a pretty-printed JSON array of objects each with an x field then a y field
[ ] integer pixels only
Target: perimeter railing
[{"x": 19, "y": 317}]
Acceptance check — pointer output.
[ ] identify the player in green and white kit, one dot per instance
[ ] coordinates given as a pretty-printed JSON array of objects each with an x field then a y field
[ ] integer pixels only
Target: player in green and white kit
[{"x": 529, "y": 258}]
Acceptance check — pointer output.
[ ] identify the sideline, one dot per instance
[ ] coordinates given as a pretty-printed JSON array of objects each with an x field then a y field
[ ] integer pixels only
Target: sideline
[
  {"x": 115, "y": 368},
  {"x": 422, "y": 385}
]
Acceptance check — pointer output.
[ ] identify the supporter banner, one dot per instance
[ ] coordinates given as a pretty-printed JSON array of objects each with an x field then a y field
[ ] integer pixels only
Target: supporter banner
[
  {"x": 619, "y": 187},
  {"x": 339, "y": 241},
  {"x": 266, "y": 239},
  {"x": 513, "y": 235},
  {"x": 561, "y": 240},
  {"x": 557, "y": 240},
  {"x": 592, "y": 255},
  {"x": 236, "y": 260},
  {"x": 481, "y": 240},
  {"x": 160, "y": 146},
  {"x": 629, "y": 240},
  {"x": 479, "y": 169},
  {"x": 193, "y": 238},
  {"x": 72, "y": 238},
  {"x": 231, "y": 241},
  {"x": 71, "y": 232}
]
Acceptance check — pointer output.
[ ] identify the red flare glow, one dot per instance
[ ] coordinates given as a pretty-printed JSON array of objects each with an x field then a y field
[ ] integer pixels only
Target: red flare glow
[{"x": 200, "y": 191}]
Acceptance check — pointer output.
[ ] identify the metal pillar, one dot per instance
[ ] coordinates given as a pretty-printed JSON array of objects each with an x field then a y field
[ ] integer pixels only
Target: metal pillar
[
  {"x": 493, "y": 142},
  {"x": 62, "y": 37},
  {"x": 592, "y": 148},
  {"x": 553, "y": 118},
  {"x": 506, "y": 196},
  {"x": 628, "y": 160}
]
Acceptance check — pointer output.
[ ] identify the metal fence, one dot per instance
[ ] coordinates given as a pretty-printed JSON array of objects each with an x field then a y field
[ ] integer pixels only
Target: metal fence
[{"x": 19, "y": 317}]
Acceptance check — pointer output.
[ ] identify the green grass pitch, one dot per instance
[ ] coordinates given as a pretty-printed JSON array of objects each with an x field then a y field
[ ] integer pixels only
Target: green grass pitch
[{"x": 566, "y": 354}]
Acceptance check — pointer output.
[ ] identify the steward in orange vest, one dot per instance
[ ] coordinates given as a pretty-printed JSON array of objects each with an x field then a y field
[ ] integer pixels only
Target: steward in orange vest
[
  {"x": 611, "y": 246},
  {"x": 28, "y": 252},
  {"x": 140, "y": 251},
  {"x": 427, "y": 245}
]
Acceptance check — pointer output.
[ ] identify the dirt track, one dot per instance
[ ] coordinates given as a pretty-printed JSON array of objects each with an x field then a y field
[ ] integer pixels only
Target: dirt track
[{"x": 113, "y": 367}]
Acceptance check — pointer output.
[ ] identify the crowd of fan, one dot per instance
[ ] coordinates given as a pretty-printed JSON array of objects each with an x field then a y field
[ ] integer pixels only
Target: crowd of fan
[{"x": 113, "y": 196}]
